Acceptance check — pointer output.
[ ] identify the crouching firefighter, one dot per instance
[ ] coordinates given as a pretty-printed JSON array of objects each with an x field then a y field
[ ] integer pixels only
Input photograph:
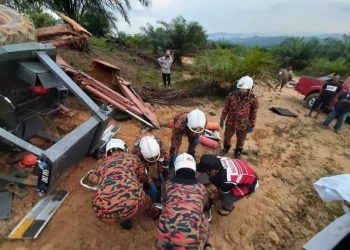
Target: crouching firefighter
[
  {"x": 192, "y": 125},
  {"x": 240, "y": 114},
  {"x": 120, "y": 195},
  {"x": 182, "y": 224},
  {"x": 152, "y": 154},
  {"x": 234, "y": 179}
]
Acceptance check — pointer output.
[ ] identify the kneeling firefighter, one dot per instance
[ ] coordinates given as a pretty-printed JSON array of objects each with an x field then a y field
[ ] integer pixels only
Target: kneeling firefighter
[
  {"x": 192, "y": 124},
  {"x": 234, "y": 179},
  {"x": 150, "y": 150},
  {"x": 182, "y": 224},
  {"x": 120, "y": 195}
]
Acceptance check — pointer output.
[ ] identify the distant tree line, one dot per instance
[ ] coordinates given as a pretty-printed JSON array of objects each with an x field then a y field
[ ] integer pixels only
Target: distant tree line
[
  {"x": 221, "y": 60},
  {"x": 315, "y": 54}
]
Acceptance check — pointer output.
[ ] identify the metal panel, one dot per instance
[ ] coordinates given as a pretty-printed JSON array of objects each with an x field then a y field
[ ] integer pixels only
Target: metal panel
[
  {"x": 27, "y": 71},
  {"x": 24, "y": 51},
  {"x": 12, "y": 139},
  {"x": 67, "y": 152},
  {"x": 49, "y": 80},
  {"x": 78, "y": 92},
  {"x": 5, "y": 205},
  {"x": 34, "y": 67}
]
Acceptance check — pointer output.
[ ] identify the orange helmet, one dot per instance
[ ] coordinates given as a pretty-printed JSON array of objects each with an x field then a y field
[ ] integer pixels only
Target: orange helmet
[{"x": 28, "y": 160}]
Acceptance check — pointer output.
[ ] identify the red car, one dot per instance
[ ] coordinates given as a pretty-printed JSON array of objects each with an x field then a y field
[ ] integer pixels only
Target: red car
[{"x": 311, "y": 88}]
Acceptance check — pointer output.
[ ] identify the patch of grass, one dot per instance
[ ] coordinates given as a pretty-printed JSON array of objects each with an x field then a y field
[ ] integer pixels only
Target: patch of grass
[
  {"x": 100, "y": 43},
  {"x": 148, "y": 78},
  {"x": 196, "y": 86},
  {"x": 75, "y": 58}
]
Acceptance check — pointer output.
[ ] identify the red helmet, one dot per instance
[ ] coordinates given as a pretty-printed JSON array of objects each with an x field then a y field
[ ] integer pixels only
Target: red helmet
[{"x": 28, "y": 160}]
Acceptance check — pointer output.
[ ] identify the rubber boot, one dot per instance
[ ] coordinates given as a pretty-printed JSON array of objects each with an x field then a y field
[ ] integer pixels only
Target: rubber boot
[
  {"x": 126, "y": 224},
  {"x": 207, "y": 246},
  {"x": 224, "y": 151},
  {"x": 224, "y": 211},
  {"x": 238, "y": 153}
]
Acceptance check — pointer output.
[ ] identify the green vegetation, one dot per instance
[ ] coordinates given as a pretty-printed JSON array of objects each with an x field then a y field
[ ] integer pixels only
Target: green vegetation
[
  {"x": 216, "y": 62},
  {"x": 42, "y": 19},
  {"x": 225, "y": 65},
  {"x": 33, "y": 11},
  {"x": 317, "y": 56},
  {"x": 97, "y": 16},
  {"x": 324, "y": 66},
  {"x": 182, "y": 37}
]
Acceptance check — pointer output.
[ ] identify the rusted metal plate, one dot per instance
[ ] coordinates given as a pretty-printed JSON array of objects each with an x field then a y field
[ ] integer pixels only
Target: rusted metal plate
[
  {"x": 127, "y": 101},
  {"x": 104, "y": 72}
]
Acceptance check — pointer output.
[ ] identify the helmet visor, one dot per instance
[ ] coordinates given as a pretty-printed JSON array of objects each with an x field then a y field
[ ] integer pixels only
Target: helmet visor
[
  {"x": 152, "y": 159},
  {"x": 197, "y": 130}
]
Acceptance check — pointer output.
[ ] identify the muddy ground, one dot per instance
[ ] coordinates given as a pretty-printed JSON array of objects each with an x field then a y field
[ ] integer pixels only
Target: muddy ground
[{"x": 288, "y": 154}]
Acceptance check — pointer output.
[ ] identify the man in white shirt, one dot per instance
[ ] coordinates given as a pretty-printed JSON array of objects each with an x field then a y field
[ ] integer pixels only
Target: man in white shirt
[{"x": 165, "y": 63}]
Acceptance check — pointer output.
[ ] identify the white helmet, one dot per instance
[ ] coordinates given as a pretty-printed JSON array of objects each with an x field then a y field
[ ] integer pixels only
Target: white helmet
[
  {"x": 246, "y": 82},
  {"x": 116, "y": 143},
  {"x": 196, "y": 121},
  {"x": 185, "y": 161},
  {"x": 150, "y": 148}
]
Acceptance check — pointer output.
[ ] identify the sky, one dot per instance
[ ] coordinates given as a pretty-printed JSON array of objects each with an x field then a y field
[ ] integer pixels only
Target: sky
[{"x": 269, "y": 17}]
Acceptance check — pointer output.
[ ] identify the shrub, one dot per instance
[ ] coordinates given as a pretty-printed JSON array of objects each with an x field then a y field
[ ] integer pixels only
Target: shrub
[
  {"x": 258, "y": 63},
  {"x": 324, "y": 66},
  {"x": 222, "y": 65},
  {"x": 42, "y": 19},
  {"x": 218, "y": 64}
]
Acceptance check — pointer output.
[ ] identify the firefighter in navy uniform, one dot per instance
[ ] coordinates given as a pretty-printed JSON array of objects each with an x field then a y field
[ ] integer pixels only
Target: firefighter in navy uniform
[
  {"x": 240, "y": 115},
  {"x": 120, "y": 195},
  {"x": 233, "y": 178}
]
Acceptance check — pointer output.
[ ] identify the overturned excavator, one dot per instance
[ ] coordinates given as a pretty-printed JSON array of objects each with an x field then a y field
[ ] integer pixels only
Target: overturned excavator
[{"x": 32, "y": 87}]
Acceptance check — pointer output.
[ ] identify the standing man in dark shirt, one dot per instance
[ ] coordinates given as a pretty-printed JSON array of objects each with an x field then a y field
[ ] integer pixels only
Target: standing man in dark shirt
[
  {"x": 329, "y": 90},
  {"x": 340, "y": 111}
]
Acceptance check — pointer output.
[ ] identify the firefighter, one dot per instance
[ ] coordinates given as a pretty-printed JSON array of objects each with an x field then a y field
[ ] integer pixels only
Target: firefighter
[
  {"x": 120, "y": 196},
  {"x": 233, "y": 178},
  {"x": 151, "y": 152},
  {"x": 182, "y": 224},
  {"x": 240, "y": 114},
  {"x": 191, "y": 124},
  {"x": 329, "y": 90}
]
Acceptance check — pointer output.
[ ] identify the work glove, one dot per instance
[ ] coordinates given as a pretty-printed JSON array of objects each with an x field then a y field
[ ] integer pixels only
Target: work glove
[
  {"x": 196, "y": 140},
  {"x": 222, "y": 124},
  {"x": 153, "y": 192},
  {"x": 250, "y": 129}
]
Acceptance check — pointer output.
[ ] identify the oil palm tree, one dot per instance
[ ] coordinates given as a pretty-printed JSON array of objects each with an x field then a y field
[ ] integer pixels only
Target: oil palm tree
[{"x": 91, "y": 13}]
